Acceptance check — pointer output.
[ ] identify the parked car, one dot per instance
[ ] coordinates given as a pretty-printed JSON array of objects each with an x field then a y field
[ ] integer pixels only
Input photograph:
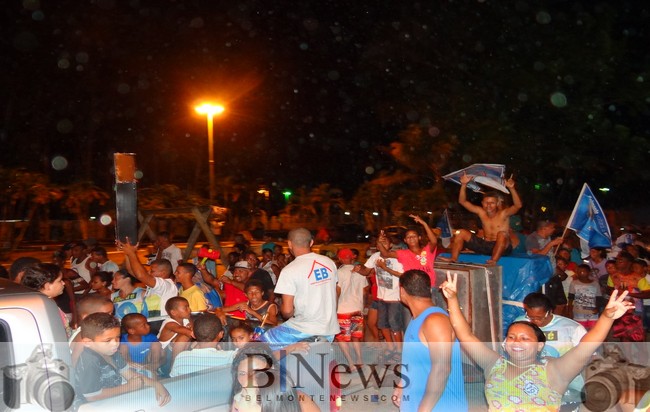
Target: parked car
[{"x": 349, "y": 233}]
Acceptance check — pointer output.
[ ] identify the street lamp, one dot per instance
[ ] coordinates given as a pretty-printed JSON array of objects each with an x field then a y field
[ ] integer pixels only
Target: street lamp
[{"x": 210, "y": 110}]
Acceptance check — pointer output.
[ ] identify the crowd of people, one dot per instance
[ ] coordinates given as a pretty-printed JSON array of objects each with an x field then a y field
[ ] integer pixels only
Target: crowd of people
[{"x": 133, "y": 324}]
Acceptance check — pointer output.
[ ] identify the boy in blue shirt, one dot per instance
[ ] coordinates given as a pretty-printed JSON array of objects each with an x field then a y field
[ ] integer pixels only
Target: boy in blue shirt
[
  {"x": 139, "y": 347},
  {"x": 101, "y": 371}
]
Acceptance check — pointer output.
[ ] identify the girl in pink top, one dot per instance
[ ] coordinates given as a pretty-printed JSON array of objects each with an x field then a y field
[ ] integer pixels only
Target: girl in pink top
[{"x": 416, "y": 256}]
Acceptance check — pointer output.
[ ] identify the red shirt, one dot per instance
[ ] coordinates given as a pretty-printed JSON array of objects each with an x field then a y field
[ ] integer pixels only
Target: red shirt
[
  {"x": 423, "y": 261},
  {"x": 233, "y": 297}
]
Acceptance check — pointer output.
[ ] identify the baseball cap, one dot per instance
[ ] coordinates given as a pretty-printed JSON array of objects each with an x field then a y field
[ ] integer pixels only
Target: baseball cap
[
  {"x": 242, "y": 264},
  {"x": 345, "y": 254}
]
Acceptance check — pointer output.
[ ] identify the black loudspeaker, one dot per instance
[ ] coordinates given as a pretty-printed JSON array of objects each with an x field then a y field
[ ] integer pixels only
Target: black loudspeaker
[
  {"x": 479, "y": 295},
  {"x": 126, "y": 199}
]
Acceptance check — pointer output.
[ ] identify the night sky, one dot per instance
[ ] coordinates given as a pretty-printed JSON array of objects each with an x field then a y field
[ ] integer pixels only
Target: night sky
[{"x": 316, "y": 91}]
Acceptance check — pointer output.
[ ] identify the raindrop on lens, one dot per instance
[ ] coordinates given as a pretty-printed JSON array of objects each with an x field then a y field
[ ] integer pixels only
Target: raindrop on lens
[
  {"x": 558, "y": 99},
  {"x": 64, "y": 126},
  {"x": 59, "y": 163}
]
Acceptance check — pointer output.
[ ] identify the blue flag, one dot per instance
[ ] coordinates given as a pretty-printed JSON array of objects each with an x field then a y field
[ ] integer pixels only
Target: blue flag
[
  {"x": 444, "y": 224},
  {"x": 589, "y": 221}
]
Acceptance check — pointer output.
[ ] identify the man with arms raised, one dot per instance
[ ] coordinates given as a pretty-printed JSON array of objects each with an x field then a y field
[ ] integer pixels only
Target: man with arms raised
[
  {"x": 495, "y": 220},
  {"x": 308, "y": 289},
  {"x": 160, "y": 285}
]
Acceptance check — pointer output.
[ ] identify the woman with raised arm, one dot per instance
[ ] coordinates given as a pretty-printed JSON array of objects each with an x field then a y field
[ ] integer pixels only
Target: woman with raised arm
[{"x": 521, "y": 379}]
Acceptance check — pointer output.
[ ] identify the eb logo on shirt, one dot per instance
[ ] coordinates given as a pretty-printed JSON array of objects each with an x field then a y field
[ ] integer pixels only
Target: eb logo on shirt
[{"x": 321, "y": 274}]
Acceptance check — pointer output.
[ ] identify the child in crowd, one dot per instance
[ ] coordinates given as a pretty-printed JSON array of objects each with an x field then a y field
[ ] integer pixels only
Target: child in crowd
[
  {"x": 100, "y": 282},
  {"x": 241, "y": 334},
  {"x": 257, "y": 309},
  {"x": 139, "y": 347},
  {"x": 604, "y": 281},
  {"x": 176, "y": 332},
  {"x": 101, "y": 370},
  {"x": 208, "y": 332},
  {"x": 194, "y": 295},
  {"x": 554, "y": 290},
  {"x": 584, "y": 297},
  {"x": 87, "y": 306}
]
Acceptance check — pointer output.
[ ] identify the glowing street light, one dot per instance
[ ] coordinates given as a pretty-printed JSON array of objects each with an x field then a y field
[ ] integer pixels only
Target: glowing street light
[{"x": 210, "y": 110}]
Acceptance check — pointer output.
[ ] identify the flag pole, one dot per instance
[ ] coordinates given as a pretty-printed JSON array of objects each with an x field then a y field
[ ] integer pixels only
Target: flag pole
[{"x": 573, "y": 213}]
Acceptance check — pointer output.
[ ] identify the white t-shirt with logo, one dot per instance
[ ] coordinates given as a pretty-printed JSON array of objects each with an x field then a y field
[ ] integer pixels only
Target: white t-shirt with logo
[
  {"x": 387, "y": 284},
  {"x": 311, "y": 280}
]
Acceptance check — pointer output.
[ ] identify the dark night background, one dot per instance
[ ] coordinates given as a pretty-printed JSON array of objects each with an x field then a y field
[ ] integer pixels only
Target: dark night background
[{"x": 332, "y": 92}]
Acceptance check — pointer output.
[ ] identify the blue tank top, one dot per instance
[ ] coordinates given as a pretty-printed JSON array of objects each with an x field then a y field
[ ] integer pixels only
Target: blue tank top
[{"x": 415, "y": 357}]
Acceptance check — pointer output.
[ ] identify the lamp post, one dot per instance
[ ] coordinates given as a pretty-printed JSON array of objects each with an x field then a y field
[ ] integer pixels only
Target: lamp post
[{"x": 210, "y": 110}]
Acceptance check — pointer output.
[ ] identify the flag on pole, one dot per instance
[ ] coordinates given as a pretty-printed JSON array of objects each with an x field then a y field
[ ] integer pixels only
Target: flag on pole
[
  {"x": 444, "y": 224},
  {"x": 487, "y": 174},
  {"x": 589, "y": 222}
]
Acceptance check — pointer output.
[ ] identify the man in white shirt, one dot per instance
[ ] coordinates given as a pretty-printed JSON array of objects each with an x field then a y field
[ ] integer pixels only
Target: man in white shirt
[
  {"x": 160, "y": 285},
  {"x": 168, "y": 250},
  {"x": 308, "y": 289},
  {"x": 352, "y": 287},
  {"x": 390, "y": 319},
  {"x": 99, "y": 261}
]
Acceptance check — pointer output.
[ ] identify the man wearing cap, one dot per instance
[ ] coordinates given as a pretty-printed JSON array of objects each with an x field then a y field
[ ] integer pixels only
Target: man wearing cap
[
  {"x": 352, "y": 287},
  {"x": 308, "y": 288},
  {"x": 234, "y": 289}
]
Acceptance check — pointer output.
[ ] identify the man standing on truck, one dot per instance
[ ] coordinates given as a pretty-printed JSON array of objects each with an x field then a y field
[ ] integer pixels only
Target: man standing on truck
[
  {"x": 495, "y": 219},
  {"x": 160, "y": 286}
]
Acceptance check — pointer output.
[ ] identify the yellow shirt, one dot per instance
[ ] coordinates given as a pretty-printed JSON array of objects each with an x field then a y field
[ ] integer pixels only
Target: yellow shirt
[{"x": 196, "y": 298}]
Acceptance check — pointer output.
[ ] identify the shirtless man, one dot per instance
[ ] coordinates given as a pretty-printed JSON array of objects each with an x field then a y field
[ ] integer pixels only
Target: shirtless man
[{"x": 495, "y": 220}]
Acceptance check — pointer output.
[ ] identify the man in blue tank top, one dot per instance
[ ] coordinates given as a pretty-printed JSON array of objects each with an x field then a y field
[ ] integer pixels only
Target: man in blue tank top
[{"x": 432, "y": 369}]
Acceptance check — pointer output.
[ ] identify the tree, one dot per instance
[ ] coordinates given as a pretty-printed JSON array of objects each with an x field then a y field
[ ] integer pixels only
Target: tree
[
  {"x": 421, "y": 153},
  {"x": 78, "y": 198},
  {"x": 25, "y": 191}
]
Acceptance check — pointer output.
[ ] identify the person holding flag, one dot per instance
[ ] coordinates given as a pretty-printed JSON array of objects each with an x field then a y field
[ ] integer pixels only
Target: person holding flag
[
  {"x": 446, "y": 231},
  {"x": 589, "y": 222},
  {"x": 495, "y": 219}
]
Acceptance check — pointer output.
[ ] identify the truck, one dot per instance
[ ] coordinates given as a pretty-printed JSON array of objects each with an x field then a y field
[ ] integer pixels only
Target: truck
[{"x": 36, "y": 371}]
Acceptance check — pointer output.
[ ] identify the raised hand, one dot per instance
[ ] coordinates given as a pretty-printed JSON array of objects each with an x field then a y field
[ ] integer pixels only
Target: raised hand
[
  {"x": 449, "y": 288},
  {"x": 617, "y": 305},
  {"x": 465, "y": 179},
  {"x": 510, "y": 183},
  {"x": 127, "y": 246},
  {"x": 417, "y": 219}
]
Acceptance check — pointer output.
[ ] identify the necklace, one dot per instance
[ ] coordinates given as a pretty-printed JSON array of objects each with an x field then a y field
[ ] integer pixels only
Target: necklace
[{"x": 530, "y": 365}]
